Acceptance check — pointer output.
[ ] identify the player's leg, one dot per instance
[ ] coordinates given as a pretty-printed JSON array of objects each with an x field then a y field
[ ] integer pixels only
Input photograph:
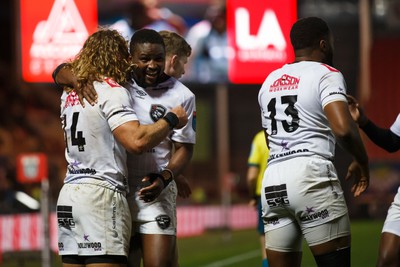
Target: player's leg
[
  {"x": 284, "y": 246},
  {"x": 389, "y": 247},
  {"x": 260, "y": 230},
  {"x": 135, "y": 251},
  {"x": 389, "y": 250},
  {"x": 330, "y": 242},
  {"x": 176, "y": 261},
  {"x": 158, "y": 250}
]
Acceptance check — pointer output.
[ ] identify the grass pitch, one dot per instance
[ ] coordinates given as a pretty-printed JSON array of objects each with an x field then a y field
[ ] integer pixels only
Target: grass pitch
[{"x": 236, "y": 249}]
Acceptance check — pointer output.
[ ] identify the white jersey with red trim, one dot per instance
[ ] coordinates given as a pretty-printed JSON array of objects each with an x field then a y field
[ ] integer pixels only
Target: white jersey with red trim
[
  {"x": 395, "y": 128},
  {"x": 92, "y": 152},
  {"x": 150, "y": 105},
  {"x": 292, "y": 99}
]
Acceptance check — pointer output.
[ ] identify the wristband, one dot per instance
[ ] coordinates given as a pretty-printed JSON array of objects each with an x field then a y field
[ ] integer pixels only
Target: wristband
[
  {"x": 55, "y": 72},
  {"x": 154, "y": 176},
  {"x": 171, "y": 119},
  {"x": 170, "y": 173}
]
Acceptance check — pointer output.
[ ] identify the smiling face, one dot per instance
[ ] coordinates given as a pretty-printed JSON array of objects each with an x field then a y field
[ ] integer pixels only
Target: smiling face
[{"x": 150, "y": 61}]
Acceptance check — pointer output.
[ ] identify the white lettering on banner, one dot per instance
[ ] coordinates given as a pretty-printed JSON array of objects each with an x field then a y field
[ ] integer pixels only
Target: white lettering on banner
[
  {"x": 58, "y": 38},
  {"x": 268, "y": 45}
]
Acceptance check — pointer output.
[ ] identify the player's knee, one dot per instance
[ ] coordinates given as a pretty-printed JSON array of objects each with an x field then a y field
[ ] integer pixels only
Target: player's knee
[{"x": 336, "y": 258}]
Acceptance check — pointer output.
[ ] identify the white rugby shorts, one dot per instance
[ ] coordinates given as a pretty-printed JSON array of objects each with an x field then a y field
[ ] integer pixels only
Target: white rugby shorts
[
  {"x": 92, "y": 220},
  {"x": 302, "y": 190},
  {"x": 156, "y": 217},
  {"x": 392, "y": 222}
]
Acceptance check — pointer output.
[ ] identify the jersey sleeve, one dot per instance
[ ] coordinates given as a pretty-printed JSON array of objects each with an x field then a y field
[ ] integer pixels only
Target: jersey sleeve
[
  {"x": 395, "y": 128},
  {"x": 117, "y": 106},
  {"x": 332, "y": 87},
  {"x": 187, "y": 134}
]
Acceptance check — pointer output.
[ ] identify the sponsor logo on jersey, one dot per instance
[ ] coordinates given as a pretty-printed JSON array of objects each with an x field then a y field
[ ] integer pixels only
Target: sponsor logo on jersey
[
  {"x": 140, "y": 93},
  {"x": 272, "y": 220},
  {"x": 64, "y": 217},
  {"x": 157, "y": 112},
  {"x": 312, "y": 215},
  {"x": 276, "y": 195},
  {"x": 72, "y": 100},
  {"x": 114, "y": 217},
  {"x": 81, "y": 171},
  {"x": 288, "y": 153},
  {"x": 163, "y": 221},
  {"x": 285, "y": 83},
  {"x": 60, "y": 246},
  {"x": 96, "y": 246}
]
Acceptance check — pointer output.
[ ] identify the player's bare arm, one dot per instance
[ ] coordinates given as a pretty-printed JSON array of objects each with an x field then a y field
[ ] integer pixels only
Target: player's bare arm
[
  {"x": 64, "y": 76},
  {"x": 137, "y": 138},
  {"x": 348, "y": 137},
  {"x": 178, "y": 162},
  {"x": 151, "y": 186}
]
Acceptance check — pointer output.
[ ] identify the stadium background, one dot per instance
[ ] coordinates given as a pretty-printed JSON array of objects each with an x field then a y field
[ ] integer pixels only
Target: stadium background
[{"x": 30, "y": 123}]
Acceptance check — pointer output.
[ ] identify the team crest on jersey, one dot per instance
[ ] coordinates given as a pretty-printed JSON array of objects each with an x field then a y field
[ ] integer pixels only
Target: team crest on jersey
[
  {"x": 157, "y": 112},
  {"x": 163, "y": 221}
]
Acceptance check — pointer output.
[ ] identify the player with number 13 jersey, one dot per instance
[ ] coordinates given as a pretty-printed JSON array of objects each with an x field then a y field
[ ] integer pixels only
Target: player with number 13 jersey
[{"x": 292, "y": 100}]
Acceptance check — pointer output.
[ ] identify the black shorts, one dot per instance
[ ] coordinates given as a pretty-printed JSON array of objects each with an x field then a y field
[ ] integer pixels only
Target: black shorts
[{"x": 84, "y": 260}]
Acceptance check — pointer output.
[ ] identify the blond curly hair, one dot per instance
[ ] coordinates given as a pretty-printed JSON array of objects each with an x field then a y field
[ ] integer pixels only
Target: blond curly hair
[{"x": 104, "y": 54}]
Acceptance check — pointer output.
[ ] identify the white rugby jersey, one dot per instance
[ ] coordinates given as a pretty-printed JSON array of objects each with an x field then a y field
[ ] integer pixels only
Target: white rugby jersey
[
  {"x": 150, "y": 105},
  {"x": 292, "y": 99},
  {"x": 395, "y": 128},
  {"x": 92, "y": 152}
]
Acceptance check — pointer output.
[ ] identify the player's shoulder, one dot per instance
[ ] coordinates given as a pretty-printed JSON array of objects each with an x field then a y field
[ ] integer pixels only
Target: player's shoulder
[
  {"x": 325, "y": 68},
  {"x": 179, "y": 87},
  {"x": 107, "y": 83},
  {"x": 110, "y": 89}
]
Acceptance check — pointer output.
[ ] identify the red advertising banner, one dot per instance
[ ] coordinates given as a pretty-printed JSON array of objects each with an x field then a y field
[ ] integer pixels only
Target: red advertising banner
[
  {"x": 258, "y": 33},
  {"x": 53, "y": 31},
  {"x": 32, "y": 168}
]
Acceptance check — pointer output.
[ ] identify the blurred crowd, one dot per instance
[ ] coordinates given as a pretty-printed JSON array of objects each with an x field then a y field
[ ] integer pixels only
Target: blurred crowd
[{"x": 30, "y": 120}]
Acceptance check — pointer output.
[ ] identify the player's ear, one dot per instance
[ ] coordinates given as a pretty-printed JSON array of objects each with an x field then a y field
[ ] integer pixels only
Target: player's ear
[
  {"x": 324, "y": 45},
  {"x": 174, "y": 60}
]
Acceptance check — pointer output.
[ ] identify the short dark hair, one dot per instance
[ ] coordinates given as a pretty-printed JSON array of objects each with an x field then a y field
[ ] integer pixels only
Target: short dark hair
[
  {"x": 143, "y": 36},
  {"x": 307, "y": 32}
]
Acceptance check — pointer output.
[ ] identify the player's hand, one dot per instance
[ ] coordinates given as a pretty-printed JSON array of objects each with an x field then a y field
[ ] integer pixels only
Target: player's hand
[
  {"x": 182, "y": 116},
  {"x": 357, "y": 113},
  {"x": 182, "y": 184},
  {"x": 149, "y": 191},
  {"x": 86, "y": 91},
  {"x": 361, "y": 177}
]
